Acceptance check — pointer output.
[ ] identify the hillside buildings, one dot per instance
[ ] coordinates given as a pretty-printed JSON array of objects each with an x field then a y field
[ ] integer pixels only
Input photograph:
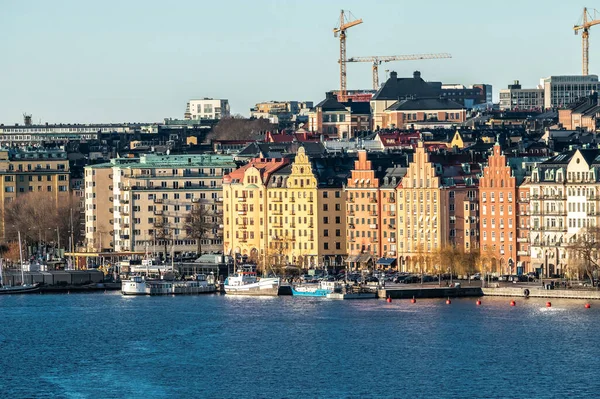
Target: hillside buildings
[{"x": 281, "y": 111}]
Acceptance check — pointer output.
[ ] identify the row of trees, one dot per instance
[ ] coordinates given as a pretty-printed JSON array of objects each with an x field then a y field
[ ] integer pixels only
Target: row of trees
[{"x": 42, "y": 220}]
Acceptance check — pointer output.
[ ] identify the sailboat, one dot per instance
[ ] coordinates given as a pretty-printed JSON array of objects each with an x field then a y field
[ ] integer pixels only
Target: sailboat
[{"x": 17, "y": 289}]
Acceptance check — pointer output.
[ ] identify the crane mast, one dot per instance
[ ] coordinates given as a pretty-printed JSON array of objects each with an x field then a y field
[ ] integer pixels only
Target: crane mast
[
  {"x": 377, "y": 60},
  {"x": 587, "y": 22},
  {"x": 345, "y": 23}
]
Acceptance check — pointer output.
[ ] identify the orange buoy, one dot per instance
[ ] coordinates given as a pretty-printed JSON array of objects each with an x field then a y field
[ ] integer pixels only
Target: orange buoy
[
  {"x": 548, "y": 304},
  {"x": 389, "y": 299},
  {"x": 513, "y": 303},
  {"x": 478, "y": 302},
  {"x": 448, "y": 301},
  {"x": 587, "y": 306},
  {"x": 413, "y": 300}
]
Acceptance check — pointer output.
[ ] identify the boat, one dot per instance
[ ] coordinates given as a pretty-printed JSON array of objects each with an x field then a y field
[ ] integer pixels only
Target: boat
[
  {"x": 17, "y": 289},
  {"x": 315, "y": 290},
  {"x": 139, "y": 285},
  {"x": 352, "y": 292},
  {"x": 246, "y": 282}
]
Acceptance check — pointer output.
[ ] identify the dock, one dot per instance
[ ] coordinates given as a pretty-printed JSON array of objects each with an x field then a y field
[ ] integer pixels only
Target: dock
[{"x": 429, "y": 292}]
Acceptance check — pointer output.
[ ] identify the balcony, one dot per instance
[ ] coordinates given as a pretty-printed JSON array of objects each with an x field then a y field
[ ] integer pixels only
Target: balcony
[
  {"x": 373, "y": 200},
  {"x": 241, "y": 199},
  {"x": 278, "y": 212},
  {"x": 373, "y": 213},
  {"x": 310, "y": 199},
  {"x": 158, "y": 213},
  {"x": 158, "y": 224},
  {"x": 522, "y": 253},
  {"x": 242, "y": 227},
  {"x": 350, "y": 199},
  {"x": 277, "y": 199},
  {"x": 351, "y": 226},
  {"x": 522, "y": 239},
  {"x": 158, "y": 200},
  {"x": 391, "y": 239},
  {"x": 392, "y": 200},
  {"x": 124, "y": 201},
  {"x": 220, "y": 199},
  {"x": 391, "y": 213},
  {"x": 292, "y": 199},
  {"x": 242, "y": 212},
  {"x": 372, "y": 226},
  {"x": 350, "y": 213}
]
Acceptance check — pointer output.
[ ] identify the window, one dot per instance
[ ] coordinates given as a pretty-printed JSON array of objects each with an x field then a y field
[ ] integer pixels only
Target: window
[
  {"x": 325, "y": 194},
  {"x": 326, "y": 233},
  {"x": 325, "y": 220},
  {"x": 325, "y": 245},
  {"x": 338, "y": 219}
]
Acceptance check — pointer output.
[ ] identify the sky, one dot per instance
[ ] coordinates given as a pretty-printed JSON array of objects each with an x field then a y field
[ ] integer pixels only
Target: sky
[{"x": 74, "y": 61}]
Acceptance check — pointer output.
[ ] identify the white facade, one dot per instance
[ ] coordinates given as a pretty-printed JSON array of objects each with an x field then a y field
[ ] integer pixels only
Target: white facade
[
  {"x": 207, "y": 108},
  {"x": 560, "y": 91},
  {"x": 521, "y": 99}
]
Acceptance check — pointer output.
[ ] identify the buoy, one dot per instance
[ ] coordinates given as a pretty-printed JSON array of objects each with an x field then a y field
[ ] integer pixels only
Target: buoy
[
  {"x": 389, "y": 299},
  {"x": 413, "y": 300},
  {"x": 513, "y": 303},
  {"x": 587, "y": 306},
  {"x": 448, "y": 301},
  {"x": 478, "y": 303},
  {"x": 548, "y": 304}
]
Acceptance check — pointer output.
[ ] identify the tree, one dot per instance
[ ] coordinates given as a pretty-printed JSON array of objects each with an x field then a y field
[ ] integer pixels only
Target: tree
[
  {"x": 235, "y": 128},
  {"x": 39, "y": 216},
  {"x": 585, "y": 247},
  {"x": 204, "y": 218}
]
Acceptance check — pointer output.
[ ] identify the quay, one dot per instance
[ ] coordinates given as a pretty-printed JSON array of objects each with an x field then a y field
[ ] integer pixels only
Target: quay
[
  {"x": 540, "y": 292},
  {"x": 429, "y": 292}
]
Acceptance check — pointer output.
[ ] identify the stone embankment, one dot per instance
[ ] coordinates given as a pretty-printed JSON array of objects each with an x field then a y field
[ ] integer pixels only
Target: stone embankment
[{"x": 539, "y": 292}]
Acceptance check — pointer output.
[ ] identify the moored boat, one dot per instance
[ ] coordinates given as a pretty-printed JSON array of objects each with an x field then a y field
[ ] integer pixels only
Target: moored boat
[
  {"x": 138, "y": 285},
  {"x": 352, "y": 292},
  {"x": 248, "y": 283},
  {"x": 315, "y": 290}
]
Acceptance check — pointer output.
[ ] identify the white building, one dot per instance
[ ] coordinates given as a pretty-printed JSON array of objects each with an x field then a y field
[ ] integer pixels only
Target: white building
[
  {"x": 207, "y": 108},
  {"x": 560, "y": 91}
]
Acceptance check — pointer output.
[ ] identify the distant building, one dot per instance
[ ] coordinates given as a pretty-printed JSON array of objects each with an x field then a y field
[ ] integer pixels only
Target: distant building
[
  {"x": 432, "y": 110},
  {"x": 207, "y": 108},
  {"x": 61, "y": 133},
  {"x": 280, "y": 111},
  {"x": 517, "y": 98},
  {"x": 581, "y": 114},
  {"x": 560, "y": 91},
  {"x": 339, "y": 119}
]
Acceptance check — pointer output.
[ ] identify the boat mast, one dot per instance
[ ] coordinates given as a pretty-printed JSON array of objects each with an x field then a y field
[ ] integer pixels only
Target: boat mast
[{"x": 21, "y": 259}]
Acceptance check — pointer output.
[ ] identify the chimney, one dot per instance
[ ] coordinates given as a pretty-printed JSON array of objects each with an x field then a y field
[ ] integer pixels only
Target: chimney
[
  {"x": 417, "y": 75},
  {"x": 393, "y": 75}
]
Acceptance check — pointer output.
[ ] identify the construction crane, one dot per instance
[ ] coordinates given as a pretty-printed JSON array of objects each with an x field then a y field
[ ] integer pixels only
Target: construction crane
[
  {"x": 347, "y": 21},
  {"x": 587, "y": 22},
  {"x": 377, "y": 60}
]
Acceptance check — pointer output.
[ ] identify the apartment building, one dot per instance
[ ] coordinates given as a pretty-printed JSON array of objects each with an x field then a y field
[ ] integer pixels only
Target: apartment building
[
  {"x": 26, "y": 170},
  {"x": 207, "y": 108},
  {"x": 437, "y": 112},
  {"x": 286, "y": 213},
  {"x": 437, "y": 207},
  {"x": 141, "y": 204},
  {"x": 498, "y": 193},
  {"x": 339, "y": 119},
  {"x": 563, "y": 200}
]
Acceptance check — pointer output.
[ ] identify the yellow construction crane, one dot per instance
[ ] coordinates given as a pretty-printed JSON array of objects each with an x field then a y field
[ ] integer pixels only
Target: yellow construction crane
[
  {"x": 377, "y": 60},
  {"x": 587, "y": 22},
  {"x": 347, "y": 21}
]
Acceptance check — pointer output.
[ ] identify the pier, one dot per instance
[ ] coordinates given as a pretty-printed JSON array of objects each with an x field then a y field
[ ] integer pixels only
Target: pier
[{"x": 429, "y": 292}]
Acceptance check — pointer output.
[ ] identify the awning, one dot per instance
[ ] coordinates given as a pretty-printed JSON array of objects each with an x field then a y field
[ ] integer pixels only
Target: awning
[
  {"x": 352, "y": 259},
  {"x": 386, "y": 261},
  {"x": 364, "y": 258}
]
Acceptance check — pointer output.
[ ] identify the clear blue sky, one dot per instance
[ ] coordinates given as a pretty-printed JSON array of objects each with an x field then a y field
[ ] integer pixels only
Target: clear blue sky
[{"x": 134, "y": 60}]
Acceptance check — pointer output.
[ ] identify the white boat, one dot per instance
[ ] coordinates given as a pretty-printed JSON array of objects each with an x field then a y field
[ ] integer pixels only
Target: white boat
[
  {"x": 139, "y": 285},
  {"x": 248, "y": 283}
]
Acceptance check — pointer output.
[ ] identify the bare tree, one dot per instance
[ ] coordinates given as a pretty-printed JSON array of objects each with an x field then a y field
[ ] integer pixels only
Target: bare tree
[
  {"x": 585, "y": 247},
  {"x": 235, "y": 128},
  {"x": 202, "y": 221}
]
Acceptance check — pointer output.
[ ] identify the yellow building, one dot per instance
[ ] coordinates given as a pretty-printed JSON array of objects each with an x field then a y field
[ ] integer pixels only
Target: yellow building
[
  {"x": 33, "y": 170},
  {"x": 291, "y": 214}
]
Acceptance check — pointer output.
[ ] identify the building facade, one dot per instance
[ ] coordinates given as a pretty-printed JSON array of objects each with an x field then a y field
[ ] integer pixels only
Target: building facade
[
  {"x": 516, "y": 98},
  {"x": 32, "y": 170},
  {"x": 207, "y": 108},
  {"x": 560, "y": 91},
  {"x": 142, "y": 204}
]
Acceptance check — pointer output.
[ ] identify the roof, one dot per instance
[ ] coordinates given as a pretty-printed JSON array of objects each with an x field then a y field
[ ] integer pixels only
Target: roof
[
  {"x": 331, "y": 103},
  {"x": 386, "y": 261},
  {"x": 361, "y": 107},
  {"x": 265, "y": 166},
  {"x": 398, "y": 88},
  {"x": 425, "y": 104}
]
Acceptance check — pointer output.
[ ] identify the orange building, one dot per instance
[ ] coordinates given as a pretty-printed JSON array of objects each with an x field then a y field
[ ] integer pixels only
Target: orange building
[
  {"x": 498, "y": 191},
  {"x": 362, "y": 214}
]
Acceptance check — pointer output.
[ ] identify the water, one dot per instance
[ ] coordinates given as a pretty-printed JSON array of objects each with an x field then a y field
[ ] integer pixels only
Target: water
[{"x": 109, "y": 346}]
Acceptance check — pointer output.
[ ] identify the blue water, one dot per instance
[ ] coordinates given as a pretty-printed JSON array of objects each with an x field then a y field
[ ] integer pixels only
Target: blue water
[{"x": 109, "y": 346}]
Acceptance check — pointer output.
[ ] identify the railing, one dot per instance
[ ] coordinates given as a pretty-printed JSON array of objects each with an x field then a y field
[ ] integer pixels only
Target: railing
[
  {"x": 241, "y": 199},
  {"x": 277, "y": 199},
  {"x": 522, "y": 239}
]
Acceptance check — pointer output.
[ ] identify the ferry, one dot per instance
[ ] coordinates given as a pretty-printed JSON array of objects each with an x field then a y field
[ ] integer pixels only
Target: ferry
[
  {"x": 139, "y": 285},
  {"x": 315, "y": 290},
  {"x": 248, "y": 283}
]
